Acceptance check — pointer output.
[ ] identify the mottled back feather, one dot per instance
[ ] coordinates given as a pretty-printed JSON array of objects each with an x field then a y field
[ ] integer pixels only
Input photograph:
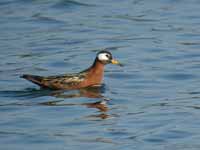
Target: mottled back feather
[{"x": 57, "y": 82}]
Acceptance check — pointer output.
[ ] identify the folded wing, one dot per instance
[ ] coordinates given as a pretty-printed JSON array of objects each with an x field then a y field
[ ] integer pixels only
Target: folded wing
[{"x": 57, "y": 82}]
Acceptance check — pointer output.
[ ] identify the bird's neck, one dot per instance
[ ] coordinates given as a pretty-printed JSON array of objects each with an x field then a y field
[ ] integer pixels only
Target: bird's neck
[
  {"x": 96, "y": 72},
  {"x": 97, "y": 66}
]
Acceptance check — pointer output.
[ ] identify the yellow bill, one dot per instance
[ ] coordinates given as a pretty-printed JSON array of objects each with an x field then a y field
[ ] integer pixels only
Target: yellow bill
[{"x": 115, "y": 62}]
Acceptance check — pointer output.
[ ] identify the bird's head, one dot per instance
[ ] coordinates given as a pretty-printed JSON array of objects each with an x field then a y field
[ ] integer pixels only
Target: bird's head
[{"x": 105, "y": 57}]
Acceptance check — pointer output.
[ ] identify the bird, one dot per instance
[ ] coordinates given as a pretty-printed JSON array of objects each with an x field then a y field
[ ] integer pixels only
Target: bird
[{"x": 90, "y": 77}]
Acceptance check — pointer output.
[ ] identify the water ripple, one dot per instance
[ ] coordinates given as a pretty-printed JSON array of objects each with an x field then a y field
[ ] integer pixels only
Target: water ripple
[
  {"x": 70, "y": 3},
  {"x": 179, "y": 76},
  {"x": 150, "y": 103}
]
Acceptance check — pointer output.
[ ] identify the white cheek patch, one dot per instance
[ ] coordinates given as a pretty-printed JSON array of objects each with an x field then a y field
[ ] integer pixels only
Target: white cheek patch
[{"x": 103, "y": 57}]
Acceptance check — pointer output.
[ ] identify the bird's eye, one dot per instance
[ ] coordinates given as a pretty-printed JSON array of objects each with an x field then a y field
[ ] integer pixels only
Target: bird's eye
[{"x": 107, "y": 55}]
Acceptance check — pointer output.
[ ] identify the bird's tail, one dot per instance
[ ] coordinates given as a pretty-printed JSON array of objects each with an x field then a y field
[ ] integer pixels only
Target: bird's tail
[{"x": 33, "y": 78}]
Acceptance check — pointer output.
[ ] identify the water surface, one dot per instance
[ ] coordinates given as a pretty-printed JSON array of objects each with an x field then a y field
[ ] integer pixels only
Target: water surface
[{"x": 150, "y": 103}]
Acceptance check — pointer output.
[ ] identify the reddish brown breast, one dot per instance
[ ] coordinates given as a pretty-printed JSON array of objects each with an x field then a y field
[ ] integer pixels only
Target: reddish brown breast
[{"x": 95, "y": 74}]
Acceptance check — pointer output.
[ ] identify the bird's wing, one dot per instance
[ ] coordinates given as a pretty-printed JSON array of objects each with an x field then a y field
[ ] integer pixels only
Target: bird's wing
[{"x": 57, "y": 82}]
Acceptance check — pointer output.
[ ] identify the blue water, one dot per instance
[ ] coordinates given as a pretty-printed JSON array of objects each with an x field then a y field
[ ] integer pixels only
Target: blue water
[{"x": 151, "y": 103}]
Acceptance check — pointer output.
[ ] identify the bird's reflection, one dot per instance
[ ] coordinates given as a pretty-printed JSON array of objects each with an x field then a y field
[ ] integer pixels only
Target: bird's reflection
[
  {"x": 92, "y": 92},
  {"x": 100, "y": 105}
]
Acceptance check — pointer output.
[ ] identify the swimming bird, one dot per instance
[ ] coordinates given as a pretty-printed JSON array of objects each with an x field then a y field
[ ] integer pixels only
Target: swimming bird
[{"x": 92, "y": 76}]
